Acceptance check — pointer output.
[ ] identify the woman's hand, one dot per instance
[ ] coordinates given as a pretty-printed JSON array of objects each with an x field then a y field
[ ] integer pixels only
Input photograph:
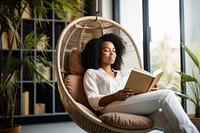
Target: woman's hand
[
  {"x": 154, "y": 88},
  {"x": 118, "y": 96},
  {"x": 123, "y": 94}
]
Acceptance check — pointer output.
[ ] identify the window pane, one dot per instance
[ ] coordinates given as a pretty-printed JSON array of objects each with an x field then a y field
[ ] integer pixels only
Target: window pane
[{"x": 165, "y": 35}]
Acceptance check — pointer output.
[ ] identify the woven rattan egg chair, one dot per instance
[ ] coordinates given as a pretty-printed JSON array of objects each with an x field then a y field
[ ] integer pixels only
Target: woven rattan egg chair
[{"x": 74, "y": 38}]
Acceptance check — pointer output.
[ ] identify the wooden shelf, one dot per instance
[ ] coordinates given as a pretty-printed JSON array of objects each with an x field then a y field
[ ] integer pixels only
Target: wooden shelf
[{"x": 48, "y": 96}]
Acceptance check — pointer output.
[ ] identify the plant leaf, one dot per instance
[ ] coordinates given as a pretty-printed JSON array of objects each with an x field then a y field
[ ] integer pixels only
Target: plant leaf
[
  {"x": 192, "y": 55},
  {"x": 187, "y": 78},
  {"x": 182, "y": 95},
  {"x": 198, "y": 53},
  {"x": 62, "y": 7}
]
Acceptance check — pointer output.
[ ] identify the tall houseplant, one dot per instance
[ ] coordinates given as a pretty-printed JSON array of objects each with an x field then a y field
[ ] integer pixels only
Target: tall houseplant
[
  {"x": 193, "y": 79},
  {"x": 11, "y": 12}
]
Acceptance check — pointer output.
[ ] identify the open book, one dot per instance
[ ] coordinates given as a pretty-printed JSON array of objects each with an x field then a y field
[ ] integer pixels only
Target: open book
[{"x": 141, "y": 81}]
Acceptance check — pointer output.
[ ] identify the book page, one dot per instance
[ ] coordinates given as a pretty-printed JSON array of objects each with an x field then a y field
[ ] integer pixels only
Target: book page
[
  {"x": 158, "y": 71},
  {"x": 143, "y": 71},
  {"x": 158, "y": 74}
]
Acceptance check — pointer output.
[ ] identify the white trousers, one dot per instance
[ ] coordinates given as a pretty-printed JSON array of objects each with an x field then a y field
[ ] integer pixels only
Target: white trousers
[{"x": 162, "y": 106}]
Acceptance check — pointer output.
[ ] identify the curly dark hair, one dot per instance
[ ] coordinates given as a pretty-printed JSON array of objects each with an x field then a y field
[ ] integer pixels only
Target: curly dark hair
[{"x": 91, "y": 53}]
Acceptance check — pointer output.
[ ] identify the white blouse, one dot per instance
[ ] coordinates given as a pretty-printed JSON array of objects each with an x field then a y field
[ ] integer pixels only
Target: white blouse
[{"x": 97, "y": 84}]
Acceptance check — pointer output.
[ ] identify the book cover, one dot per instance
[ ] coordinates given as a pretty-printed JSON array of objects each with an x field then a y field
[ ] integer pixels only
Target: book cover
[{"x": 141, "y": 81}]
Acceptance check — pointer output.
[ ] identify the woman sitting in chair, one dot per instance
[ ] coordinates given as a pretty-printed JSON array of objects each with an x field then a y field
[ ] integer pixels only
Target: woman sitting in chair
[{"x": 104, "y": 83}]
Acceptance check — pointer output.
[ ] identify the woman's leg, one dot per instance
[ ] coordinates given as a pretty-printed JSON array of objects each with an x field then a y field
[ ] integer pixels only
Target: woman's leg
[
  {"x": 147, "y": 103},
  {"x": 161, "y": 122}
]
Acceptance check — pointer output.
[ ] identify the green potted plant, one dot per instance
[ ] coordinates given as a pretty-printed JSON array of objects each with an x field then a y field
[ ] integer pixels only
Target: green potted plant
[
  {"x": 11, "y": 13},
  {"x": 193, "y": 82},
  {"x": 193, "y": 79}
]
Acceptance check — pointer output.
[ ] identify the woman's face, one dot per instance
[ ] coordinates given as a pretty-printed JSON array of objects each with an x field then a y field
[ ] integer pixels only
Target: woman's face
[{"x": 108, "y": 53}]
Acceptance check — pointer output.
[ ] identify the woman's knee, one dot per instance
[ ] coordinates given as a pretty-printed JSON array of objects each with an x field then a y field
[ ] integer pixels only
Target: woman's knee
[
  {"x": 167, "y": 92},
  {"x": 167, "y": 95}
]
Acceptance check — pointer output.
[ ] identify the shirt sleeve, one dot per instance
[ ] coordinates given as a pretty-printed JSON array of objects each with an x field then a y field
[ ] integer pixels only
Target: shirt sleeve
[{"x": 91, "y": 89}]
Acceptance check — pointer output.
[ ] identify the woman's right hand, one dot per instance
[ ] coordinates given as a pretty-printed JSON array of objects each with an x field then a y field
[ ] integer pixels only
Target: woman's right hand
[
  {"x": 118, "y": 96},
  {"x": 124, "y": 94}
]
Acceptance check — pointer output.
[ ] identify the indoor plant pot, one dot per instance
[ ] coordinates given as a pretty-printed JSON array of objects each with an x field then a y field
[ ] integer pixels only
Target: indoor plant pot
[
  {"x": 15, "y": 129},
  {"x": 195, "y": 120}
]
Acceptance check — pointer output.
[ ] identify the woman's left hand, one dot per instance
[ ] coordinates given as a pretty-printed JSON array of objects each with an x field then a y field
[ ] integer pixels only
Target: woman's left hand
[{"x": 154, "y": 88}]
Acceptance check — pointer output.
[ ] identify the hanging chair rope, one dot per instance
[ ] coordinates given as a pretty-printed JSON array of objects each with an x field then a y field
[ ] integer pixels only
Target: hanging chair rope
[{"x": 97, "y": 9}]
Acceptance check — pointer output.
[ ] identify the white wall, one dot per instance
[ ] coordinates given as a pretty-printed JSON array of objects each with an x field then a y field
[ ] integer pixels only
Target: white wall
[
  {"x": 131, "y": 18},
  {"x": 107, "y": 9},
  {"x": 192, "y": 32}
]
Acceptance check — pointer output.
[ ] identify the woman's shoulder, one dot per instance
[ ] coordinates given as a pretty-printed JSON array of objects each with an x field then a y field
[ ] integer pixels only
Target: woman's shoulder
[
  {"x": 93, "y": 73},
  {"x": 91, "y": 70}
]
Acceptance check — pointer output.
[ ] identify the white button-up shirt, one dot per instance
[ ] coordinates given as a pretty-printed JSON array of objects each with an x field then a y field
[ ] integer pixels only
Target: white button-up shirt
[{"x": 97, "y": 84}]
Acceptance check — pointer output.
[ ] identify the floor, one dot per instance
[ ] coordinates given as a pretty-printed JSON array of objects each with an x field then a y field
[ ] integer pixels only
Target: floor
[{"x": 61, "y": 127}]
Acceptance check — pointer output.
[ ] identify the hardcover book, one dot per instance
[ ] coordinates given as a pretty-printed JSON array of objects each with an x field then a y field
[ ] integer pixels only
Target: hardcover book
[{"x": 141, "y": 81}]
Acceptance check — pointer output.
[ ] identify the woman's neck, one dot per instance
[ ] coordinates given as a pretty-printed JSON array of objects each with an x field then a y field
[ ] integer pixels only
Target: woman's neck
[{"x": 109, "y": 71}]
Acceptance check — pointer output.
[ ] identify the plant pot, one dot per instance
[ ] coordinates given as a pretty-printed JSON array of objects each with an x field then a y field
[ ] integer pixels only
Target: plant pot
[
  {"x": 197, "y": 113},
  {"x": 196, "y": 121},
  {"x": 15, "y": 129}
]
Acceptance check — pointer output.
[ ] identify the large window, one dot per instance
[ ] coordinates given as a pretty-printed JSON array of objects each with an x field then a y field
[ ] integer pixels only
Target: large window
[
  {"x": 161, "y": 47},
  {"x": 155, "y": 27},
  {"x": 164, "y": 45}
]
